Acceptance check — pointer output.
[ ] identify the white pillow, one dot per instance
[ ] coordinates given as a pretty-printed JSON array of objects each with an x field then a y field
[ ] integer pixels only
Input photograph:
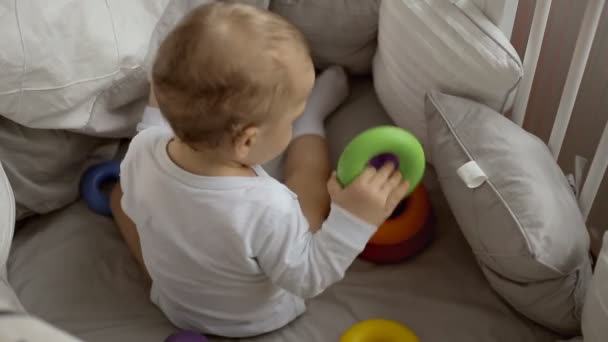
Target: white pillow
[
  {"x": 70, "y": 64},
  {"x": 340, "y": 32},
  {"x": 8, "y": 299},
  {"x": 449, "y": 46},
  {"x": 595, "y": 311},
  {"x": 7, "y": 219}
]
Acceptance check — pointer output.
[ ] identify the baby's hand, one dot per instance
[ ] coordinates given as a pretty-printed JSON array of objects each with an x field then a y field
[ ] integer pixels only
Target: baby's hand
[{"x": 371, "y": 197}]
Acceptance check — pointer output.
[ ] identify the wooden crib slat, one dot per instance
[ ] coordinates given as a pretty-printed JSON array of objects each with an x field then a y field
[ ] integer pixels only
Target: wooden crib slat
[
  {"x": 598, "y": 168},
  {"x": 584, "y": 43}
]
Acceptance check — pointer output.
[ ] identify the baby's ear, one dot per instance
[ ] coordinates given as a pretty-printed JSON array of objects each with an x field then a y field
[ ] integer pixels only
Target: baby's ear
[{"x": 244, "y": 140}]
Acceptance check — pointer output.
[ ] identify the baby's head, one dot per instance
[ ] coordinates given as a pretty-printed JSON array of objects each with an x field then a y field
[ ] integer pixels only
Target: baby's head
[{"x": 232, "y": 78}]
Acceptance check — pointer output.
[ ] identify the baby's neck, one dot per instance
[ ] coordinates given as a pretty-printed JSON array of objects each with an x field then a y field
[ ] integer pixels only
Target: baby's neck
[{"x": 206, "y": 163}]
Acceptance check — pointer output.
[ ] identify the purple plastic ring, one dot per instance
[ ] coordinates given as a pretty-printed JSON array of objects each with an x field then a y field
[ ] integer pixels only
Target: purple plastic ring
[{"x": 381, "y": 159}]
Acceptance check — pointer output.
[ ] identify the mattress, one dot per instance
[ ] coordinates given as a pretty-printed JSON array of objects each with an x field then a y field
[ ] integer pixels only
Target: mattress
[{"x": 71, "y": 269}]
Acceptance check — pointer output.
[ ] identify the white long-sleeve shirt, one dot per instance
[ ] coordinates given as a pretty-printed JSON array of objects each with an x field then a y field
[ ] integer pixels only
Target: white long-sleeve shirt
[{"x": 230, "y": 256}]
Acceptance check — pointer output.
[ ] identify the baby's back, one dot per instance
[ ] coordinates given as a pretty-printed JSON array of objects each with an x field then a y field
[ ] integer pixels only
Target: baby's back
[{"x": 197, "y": 235}]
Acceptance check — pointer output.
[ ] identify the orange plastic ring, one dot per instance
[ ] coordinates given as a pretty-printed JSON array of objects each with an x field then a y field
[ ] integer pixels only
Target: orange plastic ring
[
  {"x": 388, "y": 254},
  {"x": 406, "y": 225}
]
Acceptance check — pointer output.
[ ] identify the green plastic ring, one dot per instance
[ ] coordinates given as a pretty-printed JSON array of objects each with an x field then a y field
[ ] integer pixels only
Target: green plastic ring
[{"x": 379, "y": 141}]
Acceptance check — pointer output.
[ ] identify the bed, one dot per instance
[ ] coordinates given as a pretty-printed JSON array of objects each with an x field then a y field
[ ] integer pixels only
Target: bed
[
  {"x": 70, "y": 268},
  {"x": 96, "y": 291}
]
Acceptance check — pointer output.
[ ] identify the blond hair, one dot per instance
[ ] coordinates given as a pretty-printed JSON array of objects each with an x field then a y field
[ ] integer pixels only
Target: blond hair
[{"x": 222, "y": 69}]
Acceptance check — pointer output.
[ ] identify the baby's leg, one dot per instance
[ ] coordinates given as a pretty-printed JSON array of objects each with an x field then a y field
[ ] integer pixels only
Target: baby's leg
[
  {"x": 306, "y": 173},
  {"x": 329, "y": 91},
  {"x": 126, "y": 227},
  {"x": 307, "y": 162}
]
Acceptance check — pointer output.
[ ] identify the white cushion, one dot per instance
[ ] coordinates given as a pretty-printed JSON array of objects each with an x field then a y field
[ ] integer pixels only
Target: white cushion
[
  {"x": 595, "y": 311},
  {"x": 8, "y": 299},
  {"x": 340, "y": 32},
  {"x": 7, "y": 219},
  {"x": 71, "y": 64},
  {"x": 500, "y": 12},
  {"x": 440, "y": 45}
]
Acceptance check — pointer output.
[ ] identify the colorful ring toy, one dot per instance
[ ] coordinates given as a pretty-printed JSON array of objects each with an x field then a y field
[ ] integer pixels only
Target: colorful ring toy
[
  {"x": 379, "y": 330},
  {"x": 412, "y": 219},
  {"x": 387, "y": 254},
  {"x": 378, "y": 145},
  {"x": 92, "y": 182}
]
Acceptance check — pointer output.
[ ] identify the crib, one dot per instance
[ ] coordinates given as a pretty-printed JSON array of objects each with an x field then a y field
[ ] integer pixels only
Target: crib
[{"x": 69, "y": 276}]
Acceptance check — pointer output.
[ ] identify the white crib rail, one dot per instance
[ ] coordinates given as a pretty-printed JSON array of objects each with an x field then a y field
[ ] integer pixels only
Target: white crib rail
[
  {"x": 584, "y": 43},
  {"x": 598, "y": 168},
  {"x": 576, "y": 71}
]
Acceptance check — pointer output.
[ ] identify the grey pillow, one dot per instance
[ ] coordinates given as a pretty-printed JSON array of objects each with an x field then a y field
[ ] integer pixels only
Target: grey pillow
[
  {"x": 515, "y": 208},
  {"x": 45, "y": 166},
  {"x": 340, "y": 32}
]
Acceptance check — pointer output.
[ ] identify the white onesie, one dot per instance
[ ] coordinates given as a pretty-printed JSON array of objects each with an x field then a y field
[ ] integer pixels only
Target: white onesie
[{"x": 230, "y": 256}]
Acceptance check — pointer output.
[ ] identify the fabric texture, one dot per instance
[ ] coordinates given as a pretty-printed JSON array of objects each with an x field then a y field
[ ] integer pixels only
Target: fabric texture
[
  {"x": 15, "y": 327},
  {"x": 449, "y": 46},
  {"x": 45, "y": 166},
  {"x": 340, "y": 32},
  {"x": 223, "y": 271},
  {"x": 523, "y": 223},
  {"x": 595, "y": 311},
  {"x": 94, "y": 84}
]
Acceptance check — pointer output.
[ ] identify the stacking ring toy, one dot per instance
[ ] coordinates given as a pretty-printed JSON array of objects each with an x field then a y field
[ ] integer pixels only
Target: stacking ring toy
[
  {"x": 379, "y": 330},
  {"x": 408, "y": 222},
  {"x": 186, "y": 336},
  {"x": 379, "y": 145},
  {"x": 92, "y": 182},
  {"x": 388, "y": 254}
]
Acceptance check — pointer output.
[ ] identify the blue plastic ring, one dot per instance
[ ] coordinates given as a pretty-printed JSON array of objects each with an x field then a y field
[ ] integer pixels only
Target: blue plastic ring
[{"x": 92, "y": 182}]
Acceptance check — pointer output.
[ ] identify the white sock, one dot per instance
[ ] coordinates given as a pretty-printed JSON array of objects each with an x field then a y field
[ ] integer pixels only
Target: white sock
[
  {"x": 329, "y": 91},
  {"x": 152, "y": 118}
]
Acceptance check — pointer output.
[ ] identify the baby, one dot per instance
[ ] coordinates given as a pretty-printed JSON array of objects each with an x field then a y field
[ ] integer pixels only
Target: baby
[{"x": 231, "y": 251}]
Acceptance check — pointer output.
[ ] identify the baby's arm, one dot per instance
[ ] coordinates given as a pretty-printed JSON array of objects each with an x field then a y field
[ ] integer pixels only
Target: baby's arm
[{"x": 304, "y": 263}]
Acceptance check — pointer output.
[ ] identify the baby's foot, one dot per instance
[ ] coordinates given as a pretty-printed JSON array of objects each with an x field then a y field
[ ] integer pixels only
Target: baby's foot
[{"x": 329, "y": 91}]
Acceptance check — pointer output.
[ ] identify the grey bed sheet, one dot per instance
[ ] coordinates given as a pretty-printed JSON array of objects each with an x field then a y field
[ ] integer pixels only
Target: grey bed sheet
[{"x": 72, "y": 269}]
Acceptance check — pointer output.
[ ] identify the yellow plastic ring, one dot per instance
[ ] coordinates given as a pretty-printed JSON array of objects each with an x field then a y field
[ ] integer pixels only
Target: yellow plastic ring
[{"x": 379, "y": 330}]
